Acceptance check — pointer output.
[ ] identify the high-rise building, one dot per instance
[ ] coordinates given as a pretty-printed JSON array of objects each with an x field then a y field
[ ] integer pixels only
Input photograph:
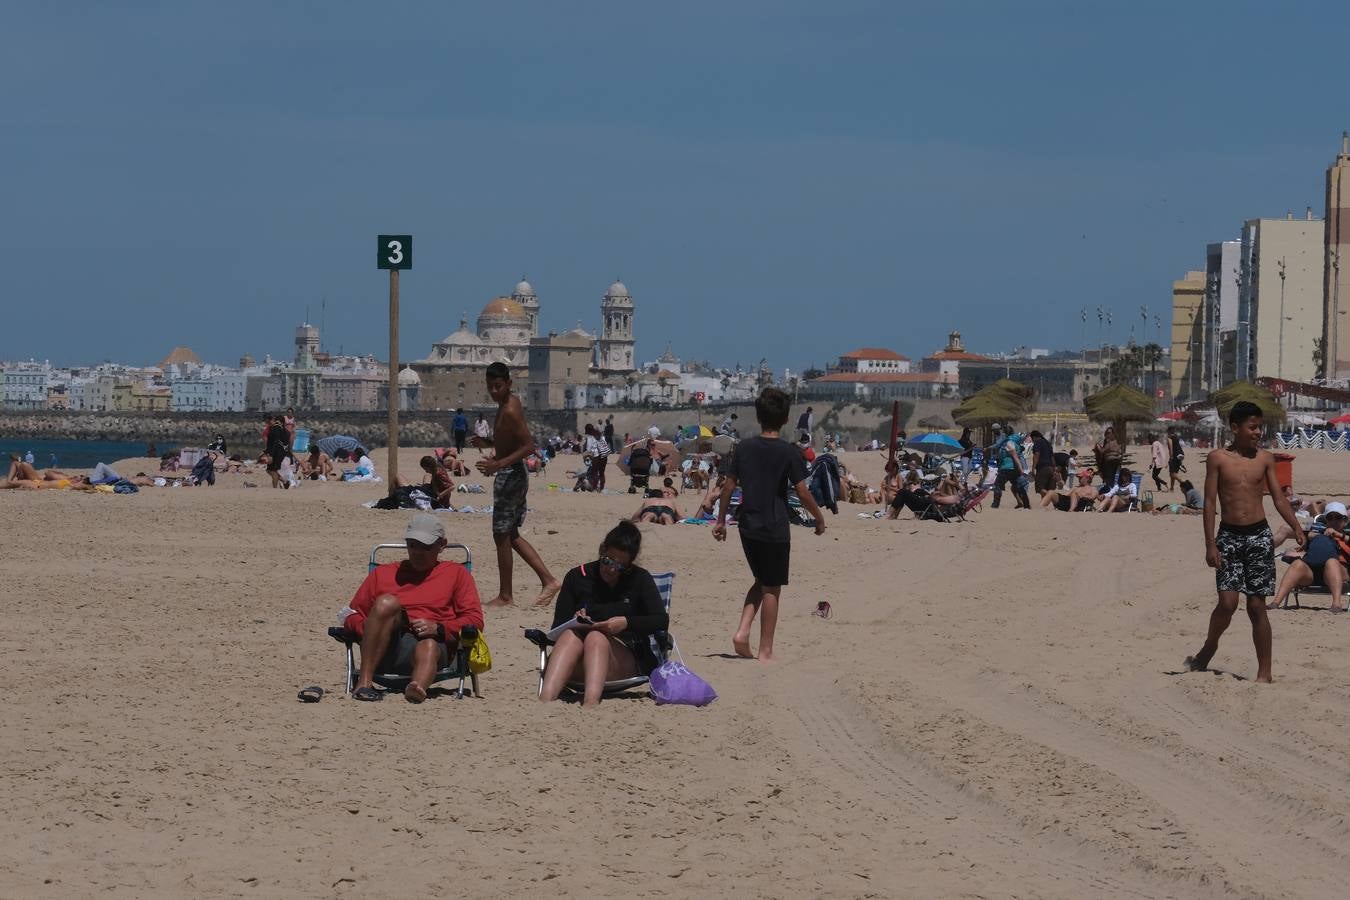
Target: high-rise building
[
  {"x": 1280, "y": 298},
  {"x": 1221, "y": 313},
  {"x": 1336, "y": 263},
  {"x": 1188, "y": 338}
]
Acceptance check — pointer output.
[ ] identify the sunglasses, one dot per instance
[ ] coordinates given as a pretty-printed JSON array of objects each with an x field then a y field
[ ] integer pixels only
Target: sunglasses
[
  {"x": 418, "y": 545},
  {"x": 610, "y": 562}
]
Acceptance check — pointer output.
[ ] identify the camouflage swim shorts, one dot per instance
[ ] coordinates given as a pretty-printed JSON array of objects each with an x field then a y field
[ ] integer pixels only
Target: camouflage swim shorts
[
  {"x": 1248, "y": 557},
  {"x": 508, "y": 499}
]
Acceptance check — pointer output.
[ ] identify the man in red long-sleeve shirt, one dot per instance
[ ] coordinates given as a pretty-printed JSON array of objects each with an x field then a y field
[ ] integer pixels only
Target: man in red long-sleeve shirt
[{"x": 409, "y": 614}]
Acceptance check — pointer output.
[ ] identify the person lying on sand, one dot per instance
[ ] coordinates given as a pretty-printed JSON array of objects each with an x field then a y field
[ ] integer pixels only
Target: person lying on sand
[
  {"x": 409, "y": 614},
  {"x": 657, "y": 508},
  {"x": 24, "y": 471}
]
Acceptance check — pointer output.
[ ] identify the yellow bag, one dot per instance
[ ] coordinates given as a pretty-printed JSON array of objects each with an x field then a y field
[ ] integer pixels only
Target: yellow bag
[{"x": 480, "y": 657}]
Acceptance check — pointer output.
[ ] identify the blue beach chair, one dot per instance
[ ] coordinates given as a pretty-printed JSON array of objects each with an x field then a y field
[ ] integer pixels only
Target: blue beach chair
[{"x": 662, "y": 643}]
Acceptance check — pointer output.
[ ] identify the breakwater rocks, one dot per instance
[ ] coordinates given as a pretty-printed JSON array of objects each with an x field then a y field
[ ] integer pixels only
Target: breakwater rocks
[{"x": 244, "y": 430}]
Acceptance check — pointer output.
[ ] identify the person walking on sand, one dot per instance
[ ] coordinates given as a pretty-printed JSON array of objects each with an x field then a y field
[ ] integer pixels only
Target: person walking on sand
[
  {"x": 1158, "y": 461},
  {"x": 765, "y": 467},
  {"x": 512, "y": 442},
  {"x": 459, "y": 428},
  {"x": 1242, "y": 553},
  {"x": 481, "y": 434}
]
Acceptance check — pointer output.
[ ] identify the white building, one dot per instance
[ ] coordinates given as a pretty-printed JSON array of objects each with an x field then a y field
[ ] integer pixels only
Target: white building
[
  {"x": 227, "y": 392},
  {"x": 870, "y": 360},
  {"x": 190, "y": 395},
  {"x": 25, "y": 385}
]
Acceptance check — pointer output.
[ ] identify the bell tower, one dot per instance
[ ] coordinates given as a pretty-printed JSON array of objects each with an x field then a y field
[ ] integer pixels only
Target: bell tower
[{"x": 614, "y": 349}]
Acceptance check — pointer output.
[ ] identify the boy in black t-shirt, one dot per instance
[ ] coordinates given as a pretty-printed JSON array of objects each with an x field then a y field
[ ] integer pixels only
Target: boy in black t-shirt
[{"x": 766, "y": 467}]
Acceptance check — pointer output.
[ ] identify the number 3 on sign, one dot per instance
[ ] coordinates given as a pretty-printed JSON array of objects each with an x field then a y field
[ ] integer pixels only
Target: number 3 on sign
[{"x": 394, "y": 251}]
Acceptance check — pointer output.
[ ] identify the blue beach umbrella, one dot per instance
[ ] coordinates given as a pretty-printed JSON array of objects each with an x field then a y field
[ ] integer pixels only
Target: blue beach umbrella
[
  {"x": 935, "y": 443},
  {"x": 332, "y": 444}
]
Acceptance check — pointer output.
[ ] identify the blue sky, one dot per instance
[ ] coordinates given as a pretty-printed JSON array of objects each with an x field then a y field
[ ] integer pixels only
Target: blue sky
[{"x": 784, "y": 180}]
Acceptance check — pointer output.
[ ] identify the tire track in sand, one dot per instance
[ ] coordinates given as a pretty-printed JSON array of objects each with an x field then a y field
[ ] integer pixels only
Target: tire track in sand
[{"x": 856, "y": 760}]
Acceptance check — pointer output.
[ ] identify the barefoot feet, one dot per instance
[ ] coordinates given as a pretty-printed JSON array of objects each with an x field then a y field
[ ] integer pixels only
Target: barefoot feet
[
  {"x": 741, "y": 644},
  {"x": 547, "y": 592},
  {"x": 414, "y": 692},
  {"x": 1193, "y": 664},
  {"x": 500, "y": 600}
]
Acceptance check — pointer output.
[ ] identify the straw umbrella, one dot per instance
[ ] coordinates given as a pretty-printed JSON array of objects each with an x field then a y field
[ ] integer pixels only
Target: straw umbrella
[
  {"x": 1224, "y": 399},
  {"x": 1002, "y": 401},
  {"x": 934, "y": 423},
  {"x": 1119, "y": 404}
]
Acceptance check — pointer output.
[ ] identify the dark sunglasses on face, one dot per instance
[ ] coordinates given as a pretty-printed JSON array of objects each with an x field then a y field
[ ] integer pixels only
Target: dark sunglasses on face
[{"x": 610, "y": 562}]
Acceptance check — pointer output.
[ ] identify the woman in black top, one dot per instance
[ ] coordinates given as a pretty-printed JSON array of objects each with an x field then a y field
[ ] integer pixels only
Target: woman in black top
[{"x": 621, "y": 600}]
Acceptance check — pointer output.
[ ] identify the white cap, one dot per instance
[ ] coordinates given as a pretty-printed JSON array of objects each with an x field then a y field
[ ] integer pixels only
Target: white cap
[
  {"x": 1335, "y": 506},
  {"x": 425, "y": 529}
]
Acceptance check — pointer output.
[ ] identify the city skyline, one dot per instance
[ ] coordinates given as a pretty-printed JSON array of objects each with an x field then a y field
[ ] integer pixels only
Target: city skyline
[{"x": 772, "y": 180}]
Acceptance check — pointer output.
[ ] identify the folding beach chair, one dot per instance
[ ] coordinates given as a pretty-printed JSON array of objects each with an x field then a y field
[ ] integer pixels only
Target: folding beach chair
[
  {"x": 392, "y": 681},
  {"x": 663, "y": 644}
]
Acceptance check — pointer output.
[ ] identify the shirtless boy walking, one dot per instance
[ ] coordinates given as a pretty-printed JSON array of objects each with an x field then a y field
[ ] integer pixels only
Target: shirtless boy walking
[
  {"x": 512, "y": 441},
  {"x": 1242, "y": 553}
]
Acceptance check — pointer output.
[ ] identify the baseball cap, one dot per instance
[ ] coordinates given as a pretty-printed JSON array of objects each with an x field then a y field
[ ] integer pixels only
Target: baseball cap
[
  {"x": 425, "y": 529},
  {"x": 1335, "y": 506}
]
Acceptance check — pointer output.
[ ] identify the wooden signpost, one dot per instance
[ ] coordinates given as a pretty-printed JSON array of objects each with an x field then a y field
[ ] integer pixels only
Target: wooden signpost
[{"x": 393, "y": 252}]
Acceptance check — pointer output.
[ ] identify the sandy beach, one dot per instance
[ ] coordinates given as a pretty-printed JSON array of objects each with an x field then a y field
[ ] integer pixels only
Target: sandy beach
[{"x": 995, "y": 709}]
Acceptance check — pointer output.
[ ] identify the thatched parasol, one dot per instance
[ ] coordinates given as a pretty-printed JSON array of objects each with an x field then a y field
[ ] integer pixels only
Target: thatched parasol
[
  {"x": 1119, "y": 404},
  {"x": 935, "y": 423},
  {"x": 1224, "y": 398},
  {"x": 1002, "y": 402}
]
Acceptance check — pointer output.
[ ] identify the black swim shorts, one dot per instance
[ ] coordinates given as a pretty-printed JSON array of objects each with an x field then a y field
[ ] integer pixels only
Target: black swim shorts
[{"x": 768, "y": 560}]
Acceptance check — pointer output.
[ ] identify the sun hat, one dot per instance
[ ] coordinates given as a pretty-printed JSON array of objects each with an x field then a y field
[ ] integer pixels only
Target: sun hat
[
  {"x": 1334, "y": 507},
  {"x": 425, "y": 529}
]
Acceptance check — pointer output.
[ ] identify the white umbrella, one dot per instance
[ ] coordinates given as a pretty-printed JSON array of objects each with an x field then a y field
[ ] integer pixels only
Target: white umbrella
[{"x": 1309, "y": 419}]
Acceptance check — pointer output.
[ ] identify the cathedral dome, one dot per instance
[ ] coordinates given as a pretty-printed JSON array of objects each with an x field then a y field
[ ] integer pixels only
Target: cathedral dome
[
  {"x": 506, "y": 308},
  {"x": 463, "y": 337},
  {"x": 408, "y": 378},
  {"x": 523, "y": 289},
  {"x": 617, "y": 289}
]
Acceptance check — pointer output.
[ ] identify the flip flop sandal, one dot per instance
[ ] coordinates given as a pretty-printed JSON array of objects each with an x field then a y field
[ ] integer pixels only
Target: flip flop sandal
[
  {"x": 311, "y": 694},
  {"x": 822, "y": 609},
  {"x": 368, "y": 694}
]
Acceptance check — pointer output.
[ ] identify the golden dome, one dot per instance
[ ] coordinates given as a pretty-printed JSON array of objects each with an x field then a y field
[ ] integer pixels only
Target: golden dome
[{"x": 506, "y": 307}]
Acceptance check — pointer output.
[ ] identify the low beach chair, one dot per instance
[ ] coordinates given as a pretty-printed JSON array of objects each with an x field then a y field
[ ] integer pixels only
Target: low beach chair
[
  {"x": 663, "y": 644},
  {"x": 392, "y": 681}
]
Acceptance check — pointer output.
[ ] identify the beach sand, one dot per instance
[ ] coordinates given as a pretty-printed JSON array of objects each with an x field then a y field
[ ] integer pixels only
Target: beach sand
[{"x": 995, "y": 709}]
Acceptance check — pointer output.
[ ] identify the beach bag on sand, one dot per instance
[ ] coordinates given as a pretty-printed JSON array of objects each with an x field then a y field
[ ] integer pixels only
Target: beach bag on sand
[
  {"x": 480, "y": 657},
  {"x": 672, "y": 682}
]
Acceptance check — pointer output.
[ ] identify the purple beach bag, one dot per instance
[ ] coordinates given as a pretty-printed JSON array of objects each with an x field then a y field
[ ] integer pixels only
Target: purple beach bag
[{"x": 672, "y": 682}]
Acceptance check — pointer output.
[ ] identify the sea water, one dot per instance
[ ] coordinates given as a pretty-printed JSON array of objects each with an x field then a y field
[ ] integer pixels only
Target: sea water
[{"x": 74, "y": 454}]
